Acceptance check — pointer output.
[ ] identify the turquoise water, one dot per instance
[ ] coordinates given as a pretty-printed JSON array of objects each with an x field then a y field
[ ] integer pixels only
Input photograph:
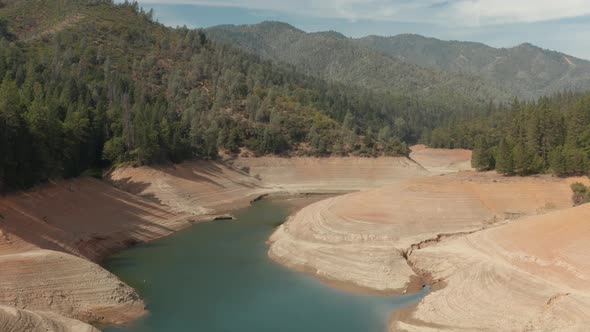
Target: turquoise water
[{"x": 216, "y": 277}]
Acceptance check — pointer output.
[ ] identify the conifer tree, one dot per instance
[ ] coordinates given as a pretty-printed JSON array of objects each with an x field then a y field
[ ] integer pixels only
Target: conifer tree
[{"x": 504, "y": 159}]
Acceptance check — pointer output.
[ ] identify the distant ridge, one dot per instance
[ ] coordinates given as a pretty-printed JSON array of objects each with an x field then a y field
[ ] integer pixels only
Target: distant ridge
[
  {"x": 333, "y": 56},
  {"x": 526, "y": 71}
]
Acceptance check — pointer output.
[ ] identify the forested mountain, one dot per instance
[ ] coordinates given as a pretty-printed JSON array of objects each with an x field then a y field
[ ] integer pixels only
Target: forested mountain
[
  {"x": 548, "y": 135},
  {"x": 86, "y": 83},
  {"x": 526, "y": 70},
  {"x": 412, "y": 64},
  {"x": 334, "y": 57}
]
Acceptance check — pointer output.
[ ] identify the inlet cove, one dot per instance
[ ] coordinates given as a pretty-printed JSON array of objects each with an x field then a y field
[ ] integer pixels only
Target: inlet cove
[{"x": 217, "y": 277}]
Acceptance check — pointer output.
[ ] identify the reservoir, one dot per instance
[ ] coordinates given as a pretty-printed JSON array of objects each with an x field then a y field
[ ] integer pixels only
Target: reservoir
[{"x": 217, "y": 277}]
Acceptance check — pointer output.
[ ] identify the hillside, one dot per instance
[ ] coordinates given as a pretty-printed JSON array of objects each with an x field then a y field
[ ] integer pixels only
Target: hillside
[
  {"x": 526, "y": 70},
  {"x": 412, "y": 64},
  {"x": 335, "y": 57},
  {"x": 87, "y": 84}
]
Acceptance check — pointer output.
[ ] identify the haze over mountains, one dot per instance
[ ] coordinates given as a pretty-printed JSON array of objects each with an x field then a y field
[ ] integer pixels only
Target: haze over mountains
[{"x": 412, "y": 64}]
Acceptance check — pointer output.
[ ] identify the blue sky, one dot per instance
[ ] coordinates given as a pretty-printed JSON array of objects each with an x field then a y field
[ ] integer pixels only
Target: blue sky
[{"x": 562, "y": 25}]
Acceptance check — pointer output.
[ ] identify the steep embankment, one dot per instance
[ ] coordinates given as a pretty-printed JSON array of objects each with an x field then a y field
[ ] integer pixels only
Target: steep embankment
[
  {"x": 213, "y": 187},
  {"x": 50, "y": 235},
  {"x": 85, "y": 217},
  {"x": 330, "y": 174},
  {"x": 529, "y": 275},
  {"x": 199, "y": 187},
  {"x": 362, "y": 238},
  {"x": 17, "y": 320},
  {"x": 441, "y": 161}
]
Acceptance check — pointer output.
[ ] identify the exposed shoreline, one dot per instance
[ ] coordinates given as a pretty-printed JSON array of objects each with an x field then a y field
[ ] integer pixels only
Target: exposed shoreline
[
  {"x": 325, "y": 240},
  {"x": 371, "y": 241},
  {"x": 56, "y": 216}
]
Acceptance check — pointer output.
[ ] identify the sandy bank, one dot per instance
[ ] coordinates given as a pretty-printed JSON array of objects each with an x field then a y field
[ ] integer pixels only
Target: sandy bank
[
  {"x": 346, "y": 174},
  {"x": 50, "y": 235},
  {"x": 17, "y": 320},
  {"x": 210, "y": 187},
  {"x": 85, "y": 217},
  {"x": 441, "y": 161},
  {"x": 361, "y": 238},
  {"x": 529, "y": 275},
  {"x": 199, "y": 187},
  {"x": 47, "y": 233}
]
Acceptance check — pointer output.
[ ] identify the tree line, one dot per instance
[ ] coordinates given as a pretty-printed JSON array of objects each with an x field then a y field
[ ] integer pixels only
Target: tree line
[
  {"x": 118, "y": 87},
  {"x": 551, "y": 134}
]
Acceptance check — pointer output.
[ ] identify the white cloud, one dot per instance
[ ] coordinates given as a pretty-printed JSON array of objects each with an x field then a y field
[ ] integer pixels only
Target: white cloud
[
  {"x": 514, "y": 11},
  {"x": 452, "y": 12}
]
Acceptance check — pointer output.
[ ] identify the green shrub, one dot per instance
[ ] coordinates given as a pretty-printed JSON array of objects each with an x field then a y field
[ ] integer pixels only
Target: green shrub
[{"x": 581, "y": 193}]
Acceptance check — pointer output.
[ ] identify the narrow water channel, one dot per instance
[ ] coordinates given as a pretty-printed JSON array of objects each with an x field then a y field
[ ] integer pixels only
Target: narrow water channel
[{"x": 217, "y": 277}]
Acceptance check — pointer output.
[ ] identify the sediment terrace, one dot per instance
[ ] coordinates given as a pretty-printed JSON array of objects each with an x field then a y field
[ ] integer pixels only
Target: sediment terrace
[
  {"x": 199, "y": 187},
  {"x": 18, "y": 320},
  {"x": 363, "y": 238},
  {"x": 343, "y": 174},
  {"x": 52, "y": 236},
  {"x": 441, "y": 161},
  {"x": 411, "y": 228},
  {"x": 528, "y": 275}
]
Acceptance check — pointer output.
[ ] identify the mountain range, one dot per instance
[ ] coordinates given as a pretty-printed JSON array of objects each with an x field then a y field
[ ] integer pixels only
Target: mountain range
[{"x": 413, "y": 64}]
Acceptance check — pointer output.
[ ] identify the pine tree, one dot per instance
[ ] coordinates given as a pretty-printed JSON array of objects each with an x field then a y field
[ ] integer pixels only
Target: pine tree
[
  {"x": 504, "y": 160},
  {"x": 482, "y": 158}
]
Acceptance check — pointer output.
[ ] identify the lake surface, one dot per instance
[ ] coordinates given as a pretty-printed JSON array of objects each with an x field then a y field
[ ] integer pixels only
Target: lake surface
[{"x": 217, "y": 277}]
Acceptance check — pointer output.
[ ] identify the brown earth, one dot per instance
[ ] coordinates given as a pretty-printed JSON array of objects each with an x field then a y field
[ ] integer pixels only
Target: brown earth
[
  {"x": 441, "y": 161},
  {"x": 47, "y": 234},
  {"x": 362, "y": 238},
  {"x": 85, "y": 217},
  {"x": 529, "y": 275},
  {"x": 49, "y": 237},
  {"x": 199, "y": 187},
  {"x": 18, "y": 320},
  {"x": 333, "y": 174}
]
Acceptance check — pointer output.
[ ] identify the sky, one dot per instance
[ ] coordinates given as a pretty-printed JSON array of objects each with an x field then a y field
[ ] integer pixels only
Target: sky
[{"x": 562, "y": 25}]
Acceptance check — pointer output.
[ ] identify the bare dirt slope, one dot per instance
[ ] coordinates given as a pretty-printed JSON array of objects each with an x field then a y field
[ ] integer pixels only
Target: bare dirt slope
[
  {"x": 45, "y": 233},
  {"x": 330, "y": 174},
  {"x": 46, "y": 280},
  {"x": 48, "y": 233},
  {"x": 85, "y": 217},
  {"x": 199, "y": 187},
  {"x": 529, "y": 275},
  {"x": 209, "y": 187},
  {"x": 361, "y": 238},
  {"x": 17, "y": 320},
  {"x": 441, "y": 161}
]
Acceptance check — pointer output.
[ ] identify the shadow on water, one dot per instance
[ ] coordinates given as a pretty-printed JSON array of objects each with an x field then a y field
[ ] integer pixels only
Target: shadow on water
[{"x": 216, "y": 277}]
